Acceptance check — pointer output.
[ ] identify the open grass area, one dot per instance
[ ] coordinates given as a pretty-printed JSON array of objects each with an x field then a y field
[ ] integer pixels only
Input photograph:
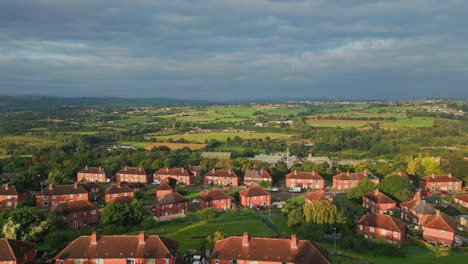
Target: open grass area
[
  {"x": 27, "y": 140},
  {"x": 134, "y": 144},
  {"x": 190, "y": 235},
  {"x": 131, "y": 121},
  {"x": 222, "y": 136},
  {"x": 410, "y": 122},
  {"x": 175, "y": 145},
  {"x": 337, "y": 123}
]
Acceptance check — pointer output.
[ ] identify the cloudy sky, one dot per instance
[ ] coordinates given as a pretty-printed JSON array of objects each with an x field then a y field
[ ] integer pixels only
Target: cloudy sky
[{"x": 235, "y": 49}]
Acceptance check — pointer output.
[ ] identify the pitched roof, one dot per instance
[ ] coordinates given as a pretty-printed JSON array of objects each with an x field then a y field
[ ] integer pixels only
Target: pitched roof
[
  {"x": 12, "y": 250},
  {"x": 257, "y": 174},
  {"x": 253, "y": 191},
  {"x": 124, "y": 199},
  {"x": 221, "y": 173},
  {"x": 173, "y": 172},
  {"x": 134, "y": 185},
  {"x": 269, "y": 250},
  {"x": 120, "y": 247},
  {"x": 93, "y": 170},
  {"x": 214, "y": 195},
  {"x": 318, "y": 195},
  {"x": 355, "y": 176},
  {"x": 304, "y": 175},
  {"x": 171, "y": 198},
  {"x": 63, "y": 189},
  {"x": 72, "y": 207},
  {"x": 132, "y": 170},
  {"x": 424, "y": 208},
  {"x": 8, "y": 189},
  {"x": 168, "y": 183},
  {"x": 379, "y": 197},
  {"x": 462, "y": 197},
  {"x": 441, "y": 221},
  {"x": 117, "y": 188},
  {"x": 382, "y": 221},
  {"x": 440, "y": 178},
  {"x": 90, "y": 185}
]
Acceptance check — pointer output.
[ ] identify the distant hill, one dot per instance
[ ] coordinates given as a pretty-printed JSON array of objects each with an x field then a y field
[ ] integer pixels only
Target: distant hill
[{"x": 44, "y": 102}]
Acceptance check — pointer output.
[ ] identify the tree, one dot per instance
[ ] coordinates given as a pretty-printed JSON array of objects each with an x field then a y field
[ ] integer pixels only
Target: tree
[
  {"x": 122, "y": 214},
  {"x": 29, "y": 224},
  {"x": 264, "y": 184},
  {"x": 295, "y": 217},
  {"x": 396, "y": 187},
  {"x": 363, "y": 187},
  {"x": 323, "y": 212},
  {"x": 210, "y": 240}
]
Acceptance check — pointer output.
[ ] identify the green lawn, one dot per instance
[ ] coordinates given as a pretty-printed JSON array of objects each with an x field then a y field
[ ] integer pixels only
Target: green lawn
[
  {"x": 134, "y": 144},
  {"x": 222, "y": 136},
  {"x": 410, "y": 122}
]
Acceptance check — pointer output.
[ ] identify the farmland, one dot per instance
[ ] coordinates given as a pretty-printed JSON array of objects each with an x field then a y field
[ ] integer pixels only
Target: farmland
[{"x": 221, "y": 136}]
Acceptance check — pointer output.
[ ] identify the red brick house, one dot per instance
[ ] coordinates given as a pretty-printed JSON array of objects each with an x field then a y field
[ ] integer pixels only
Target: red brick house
[
  {"x": 440, "y": 229},
  {"x": 254, "y": 196},
  {"x": 256, "y": 176},
  {"x": 215, "y": 199},
  {"x": 172, "y": 203},
  {"x": 181, "y": 175},
  {"x": 259, "y": 250},
  {"x": 16, "y": 251},
  {"x": 77, "y": 214},
  {"x": 117, "y": 190},
  {"x": 440, "y": 182},
  {"x": 53, "y": 195},
  {"x": 221, "y": 178},
  {"x": 382, "y": 226},
  {"x": 416, "y": 211},
  {"x": 462, "y": 200},
  {"x": 305, "y": 180},
  {"x": 91, "y": 174},
  {"x": 347, "y": 180},
  {"x": 9, "y": 197},
  {"x": 133, "y": 174},
  {"x": 119, "y": 249},
  {"x": 378, "y": 202},
  {"x": 318, "y": 195},
  {"x": 94, "y": 191},
  {"x": 167, "y": 186}
]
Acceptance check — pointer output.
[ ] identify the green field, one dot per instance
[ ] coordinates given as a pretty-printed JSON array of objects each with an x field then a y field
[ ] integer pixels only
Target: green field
[
  {"x": 134, "y": 144},
  {"x": 220, "y": 136},
  {"x": 27, "y": 140},
  {"x": 410, "y": 122}
]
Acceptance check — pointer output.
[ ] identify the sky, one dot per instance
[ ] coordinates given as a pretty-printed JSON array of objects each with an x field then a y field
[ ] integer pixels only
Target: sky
[{"x": 235, "y": 49}]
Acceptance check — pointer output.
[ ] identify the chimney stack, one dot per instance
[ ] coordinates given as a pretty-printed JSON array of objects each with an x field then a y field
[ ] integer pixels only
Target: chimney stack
[
  {"x": 365, "y": 172},
  {"x": 245, "y": 240},
  {"x": 293, "y": 241},
  {"x": 118, "y": 185},
  {"x": 141, "y": 237},
  {"x": 230, "y": 171},
  {"x": 347, "y": 173},
  {"x": 437, "y": 212},
  {"x": 86, "y": 166},
  {"x": 433, "y": 176},
  {"x": 450, "y": 175},
  {"x": 139, "y": 168},
  {"x": 6, "y": 186},
  {"x": 51, "y": 187},
  {"x": 75, "y": 185},
  {"x": 295, "y": 172},
  {"x": 100, "y": 168},
  {"x": 213, "y": 170},
  {"x": 376, "y": 191},
  {"x": 126, "y": 167},
  {"x": 418, "y": 196},
  {"x": 94, "y": 238}
]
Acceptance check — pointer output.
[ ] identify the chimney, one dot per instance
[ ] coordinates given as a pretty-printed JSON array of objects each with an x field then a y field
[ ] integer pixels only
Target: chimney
[
  {"x": 437, "y": 212},
  {"x": 347, "y": 173},
  {"x": 100, "y": 168},
  {"x": 418, "y": 196},
  {"x": 295, "y": 172},
  {"x": 450, "y": 175},
  {"x": 230, "y": 171},
  {"x": 245, "y": 240},
  {"x": 141, "y": 237},
  {"x": 6, "y": 186},
  {"x": 126, "y": 167},
  {"x": 433, "y": 176},
  {"x": 365, "y": 172},
  {"x": 182, "y": 170},
  {"x": 139, "y": 168},
  {"x": 51, "y": 187},
  {"x": 94, "y": 238},
  {"x": 293, "y": 241},
  {"x": 75, "y": 185},
  {"x": 213, "y": 170},
  {"x": 118, "y": 185},
  {"x": 86, "y": 167},
  {"x": 376, "y": 191},
  {"x": 313, "y": 173}
]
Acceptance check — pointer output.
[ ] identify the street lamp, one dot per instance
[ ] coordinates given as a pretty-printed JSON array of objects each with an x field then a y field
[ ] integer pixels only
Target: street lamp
[{"x": 334, "y": 235}]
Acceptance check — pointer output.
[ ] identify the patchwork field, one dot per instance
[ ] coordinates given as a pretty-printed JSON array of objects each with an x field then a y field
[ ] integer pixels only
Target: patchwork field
[{"x": 27, "y": 140}]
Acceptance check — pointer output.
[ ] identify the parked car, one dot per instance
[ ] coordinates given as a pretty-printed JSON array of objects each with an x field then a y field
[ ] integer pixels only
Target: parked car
[
  {"x": 324, "y": 190},
  {"x": 156, "y": 182},
  {"x": 274, "y": 189},
  {"x": 443, "y": 192},
  {"x": 295, "y": 189},
  {"x": 426, "y": 193}
]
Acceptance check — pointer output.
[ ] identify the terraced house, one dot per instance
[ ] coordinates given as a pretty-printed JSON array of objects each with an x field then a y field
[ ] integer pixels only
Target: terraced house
[
  {"x": 215, "y": 199},
  {"x": 378, "y": 202},
  {"x": 133, "y": 174},
  {"x": 347, "y": 180},
  {"x": 121, "y": 249},
  {"x": 180, "y": 174},
  {"x": 259, "y": 250},
  {"x": 440, "y": 182},
  {"x": 91, "y": 174},
  {"x": 9, "y": 197},
  {"x": 382, "y": 226},
  {"x": 305, "y": 180},
  {"x": 221, "y": 178},
  {"x": 53, "y": 195}
]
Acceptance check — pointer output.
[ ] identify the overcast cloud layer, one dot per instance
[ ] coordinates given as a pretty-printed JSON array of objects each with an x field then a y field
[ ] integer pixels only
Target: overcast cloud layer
[{"x": 235, "y": 49}]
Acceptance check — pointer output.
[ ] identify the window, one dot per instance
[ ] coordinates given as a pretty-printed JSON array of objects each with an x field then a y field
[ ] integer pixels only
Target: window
[
  {"x": 79, "y": 195},
  {"x": 150, "y": 261},
  {"x": 78, "y": 261},
  {"x": 442, "y": 232},
  {"x": 45, "y": 204},
  {"x": 361, "y": 227},
  {"x": 44, "y": 197},
  {"x": 75, "y": 215},
  {"x": 93, "y": 212},
  {"x": 8, "y": 203},
  {"x": 130, "y": 261},
  {"x": 61, "y": 261},
  {"x": 372, "y": 229},
  {"x": 170, "y": 205},
  {"x": 216, "y": 261},
  {"x": 395, "y": 234},
  {"x": 383, "y": 232},
  {"x": 98, "y": 261},
  {"x": 233, "y": 261},
  {"x": 54, "y": 196},
  {"x": 54, "y": 202},
  {"x": 166, "y": 261},
  {"x": 114, "y": 195},
  {"x": 69, "y": 196}
]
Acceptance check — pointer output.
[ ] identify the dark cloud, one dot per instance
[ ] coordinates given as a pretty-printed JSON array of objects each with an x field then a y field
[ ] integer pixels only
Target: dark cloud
[{"x": 234, "y": 49}]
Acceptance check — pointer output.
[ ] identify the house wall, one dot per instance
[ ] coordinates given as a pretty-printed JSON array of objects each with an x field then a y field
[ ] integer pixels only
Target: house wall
[
  {"x": 249, "y": 180},
  {"x": 111, "y": 197},
  {"x": 31, "y": 256},
  {"x": 169, "y": 209},
  {"x": 389, "y": 236},
  {"x": 52, "y": 200},
  {"x": 222, "y": 204},
  {"x": 82, "y": 219},
  {"x": 305, "y": 183},
  {"x": 378, "y": 208},
  {"x": 92, "y": 177},
  {"x": 116, "y": 261},
  {"x": 224, "y": 181},
  {"x": 255, "y": 201},
  {"x": 9, "y": 201},
  {"x": 348, "y": 184},
  {"x": 446, "y": 186},
  {"x": 122, "y": 177},
  {"x": 181, "y": 179},
  {"x": 461, "y": 203},
  {"x": 239, "y": 261},
  {"x": 432, "y": 235}
]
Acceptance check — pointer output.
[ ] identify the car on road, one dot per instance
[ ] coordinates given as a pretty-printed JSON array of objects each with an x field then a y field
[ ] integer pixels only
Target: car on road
[
  {"x": 443, "y": 192},
  {"x": 426, "y": 193},
  {"x": 295, "y": 189}
]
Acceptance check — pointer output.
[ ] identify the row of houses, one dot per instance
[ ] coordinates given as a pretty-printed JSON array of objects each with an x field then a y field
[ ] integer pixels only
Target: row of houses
[{"x": 154, "y": 249}]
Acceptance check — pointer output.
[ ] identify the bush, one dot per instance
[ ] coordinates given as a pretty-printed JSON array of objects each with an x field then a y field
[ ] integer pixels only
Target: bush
[{"x": 149, "y": 223}]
